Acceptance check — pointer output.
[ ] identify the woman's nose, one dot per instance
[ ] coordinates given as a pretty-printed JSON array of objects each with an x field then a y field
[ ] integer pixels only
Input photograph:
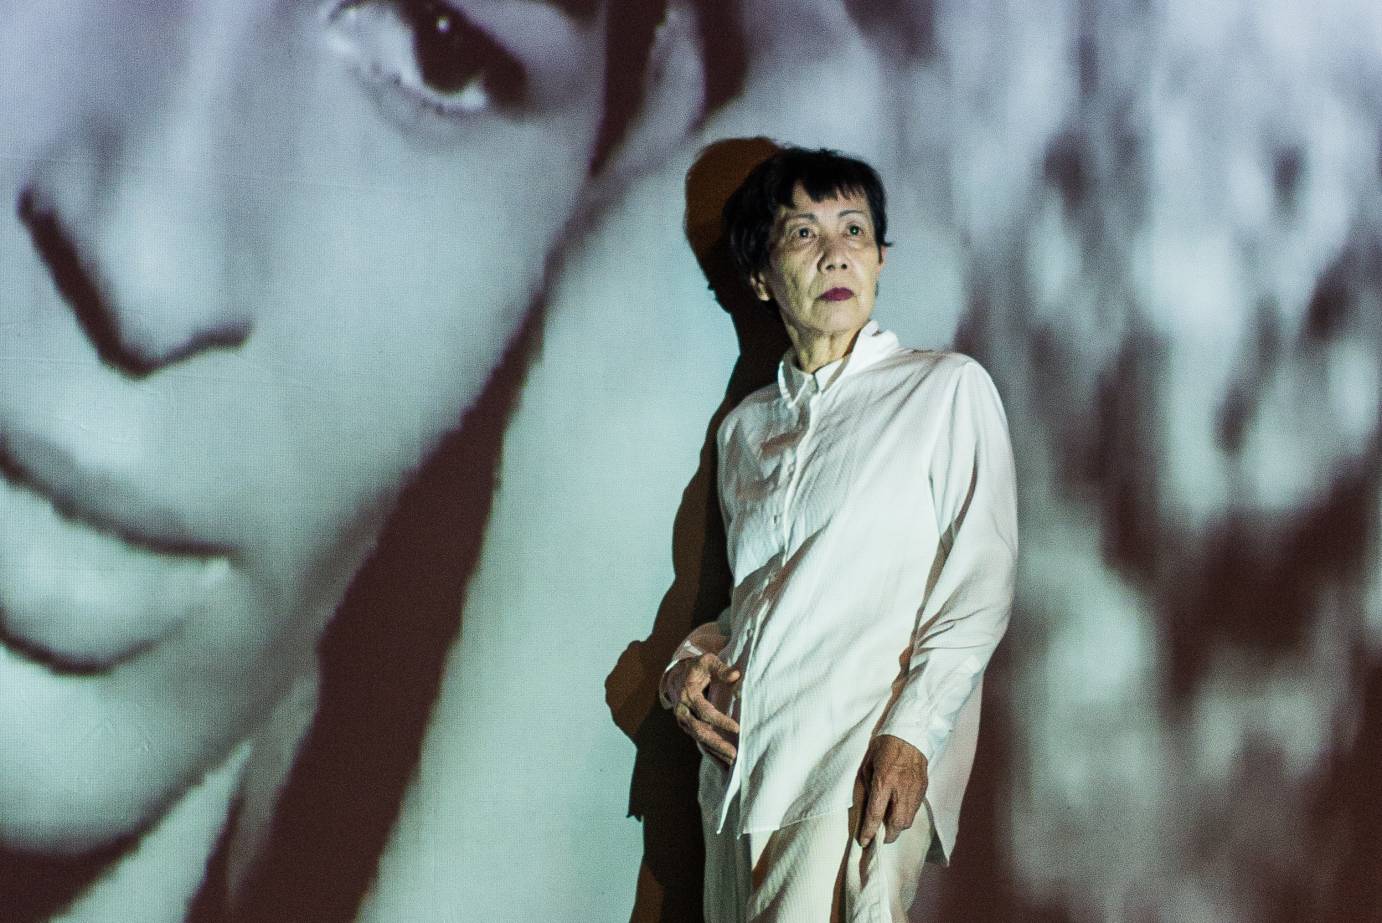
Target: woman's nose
[
  {"x": 834, "y": 254},
  {"x": 135, "y": 228}
]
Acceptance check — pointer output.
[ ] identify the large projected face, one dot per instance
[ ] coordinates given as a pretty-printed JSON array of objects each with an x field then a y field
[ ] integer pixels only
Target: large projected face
[{"x": 256, "y": 258}]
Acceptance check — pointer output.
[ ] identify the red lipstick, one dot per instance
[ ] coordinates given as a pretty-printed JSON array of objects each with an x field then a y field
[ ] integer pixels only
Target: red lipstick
[{"x": 838, "y": 293}]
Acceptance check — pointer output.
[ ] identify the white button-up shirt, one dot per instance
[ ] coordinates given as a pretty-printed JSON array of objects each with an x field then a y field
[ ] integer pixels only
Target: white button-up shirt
[{"x": 870, "y": 512}]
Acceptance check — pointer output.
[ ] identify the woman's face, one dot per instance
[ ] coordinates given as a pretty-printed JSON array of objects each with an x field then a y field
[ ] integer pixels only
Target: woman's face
[{"x": 255, "y": 259}]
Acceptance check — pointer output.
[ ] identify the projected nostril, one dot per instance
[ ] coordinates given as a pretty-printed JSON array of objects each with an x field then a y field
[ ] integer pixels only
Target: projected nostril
[
  {"x": 1234, "y": 417},
  {"x": 1328, "y": 308},
  {"x": 1288, "y": 167},
  {"x": 1064, "y": 168}
]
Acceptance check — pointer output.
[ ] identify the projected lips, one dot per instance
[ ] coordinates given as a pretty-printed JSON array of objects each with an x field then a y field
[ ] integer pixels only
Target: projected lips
[{"x": 92, "y": 572}]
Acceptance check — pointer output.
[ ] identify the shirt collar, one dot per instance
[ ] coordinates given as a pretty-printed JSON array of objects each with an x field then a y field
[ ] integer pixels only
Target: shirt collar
[{"x": 872, "y": 344}]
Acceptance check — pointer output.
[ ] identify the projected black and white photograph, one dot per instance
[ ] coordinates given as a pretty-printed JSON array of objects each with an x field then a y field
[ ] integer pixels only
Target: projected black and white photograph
[{"x": 657, "y": 461}]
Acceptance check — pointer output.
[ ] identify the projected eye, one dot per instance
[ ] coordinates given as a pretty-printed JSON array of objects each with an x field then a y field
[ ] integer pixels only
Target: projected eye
[{"x": 430, "y": 51}]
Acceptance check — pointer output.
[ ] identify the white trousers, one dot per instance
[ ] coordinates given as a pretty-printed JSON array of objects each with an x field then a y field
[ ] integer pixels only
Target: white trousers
[{"x": 813, "y": 871}]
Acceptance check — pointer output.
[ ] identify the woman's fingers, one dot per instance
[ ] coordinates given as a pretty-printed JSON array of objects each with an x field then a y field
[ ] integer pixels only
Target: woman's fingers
[{"x": 705, "y": 734}]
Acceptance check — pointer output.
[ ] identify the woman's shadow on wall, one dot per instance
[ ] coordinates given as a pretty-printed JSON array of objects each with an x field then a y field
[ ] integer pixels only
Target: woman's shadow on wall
[{"x": 663, "y": 791}]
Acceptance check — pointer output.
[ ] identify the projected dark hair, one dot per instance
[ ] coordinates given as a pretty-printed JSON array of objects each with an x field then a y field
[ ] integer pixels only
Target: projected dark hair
[
  {"x": 751, "y": 210},
  {"x": 631, "y": 29}
]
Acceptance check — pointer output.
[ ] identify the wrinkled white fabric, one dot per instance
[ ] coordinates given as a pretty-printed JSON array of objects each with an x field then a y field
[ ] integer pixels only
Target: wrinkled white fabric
[
  {"x": 870, "y": 513},
  {"x": 813, "y": 872}
]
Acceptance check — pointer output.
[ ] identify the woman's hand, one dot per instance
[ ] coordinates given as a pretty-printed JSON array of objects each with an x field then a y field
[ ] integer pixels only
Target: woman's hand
[{"x": 685, "y": 687}]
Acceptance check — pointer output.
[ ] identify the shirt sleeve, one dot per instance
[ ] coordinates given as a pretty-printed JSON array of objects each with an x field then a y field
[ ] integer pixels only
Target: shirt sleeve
[
  {"x": 969, "y": 594},
  {"x": 709, "y": 638}
]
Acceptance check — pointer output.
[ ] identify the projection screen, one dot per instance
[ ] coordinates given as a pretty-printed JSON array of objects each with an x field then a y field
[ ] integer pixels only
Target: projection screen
[{"x": 359, "y": 368}]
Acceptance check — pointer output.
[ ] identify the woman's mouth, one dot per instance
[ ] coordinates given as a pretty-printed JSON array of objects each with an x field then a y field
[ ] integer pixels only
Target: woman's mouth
[{"x": 839, "y": 293}]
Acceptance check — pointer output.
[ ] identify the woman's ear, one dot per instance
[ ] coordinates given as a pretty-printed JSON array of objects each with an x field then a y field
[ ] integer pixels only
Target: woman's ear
[{"x": 760, "y": 287}]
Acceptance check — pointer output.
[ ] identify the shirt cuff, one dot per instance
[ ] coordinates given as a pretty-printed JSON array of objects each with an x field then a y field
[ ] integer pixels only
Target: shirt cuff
[
  {"x": 929, "y": 737},
  {"x": 686, "y": 651},
  {"x": 703, "y": 639},
  {"x": 926, "y": 723}
]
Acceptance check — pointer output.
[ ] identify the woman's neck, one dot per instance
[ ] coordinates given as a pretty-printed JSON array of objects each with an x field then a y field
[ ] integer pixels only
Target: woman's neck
[{"x": 814, "y": 350}]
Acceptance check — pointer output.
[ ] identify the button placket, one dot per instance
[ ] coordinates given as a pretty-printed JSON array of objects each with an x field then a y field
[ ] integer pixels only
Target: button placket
[
  {"x": 791, "y": 467},
  {"x": 800, "y": 424}
]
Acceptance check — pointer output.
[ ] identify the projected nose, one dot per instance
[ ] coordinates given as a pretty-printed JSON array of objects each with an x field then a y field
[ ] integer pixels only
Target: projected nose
[{"x": 139, "y": 252}]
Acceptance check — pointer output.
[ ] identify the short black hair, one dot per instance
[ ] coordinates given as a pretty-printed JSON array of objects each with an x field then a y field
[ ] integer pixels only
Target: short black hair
[{"x": 823, "y": 173}]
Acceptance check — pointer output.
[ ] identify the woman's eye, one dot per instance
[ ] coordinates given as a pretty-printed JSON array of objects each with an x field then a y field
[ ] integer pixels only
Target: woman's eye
[
  {"x": 855, "y": 230},
  {"x": 803, "y": 233},
  {"x": 430, "y": 50}
]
